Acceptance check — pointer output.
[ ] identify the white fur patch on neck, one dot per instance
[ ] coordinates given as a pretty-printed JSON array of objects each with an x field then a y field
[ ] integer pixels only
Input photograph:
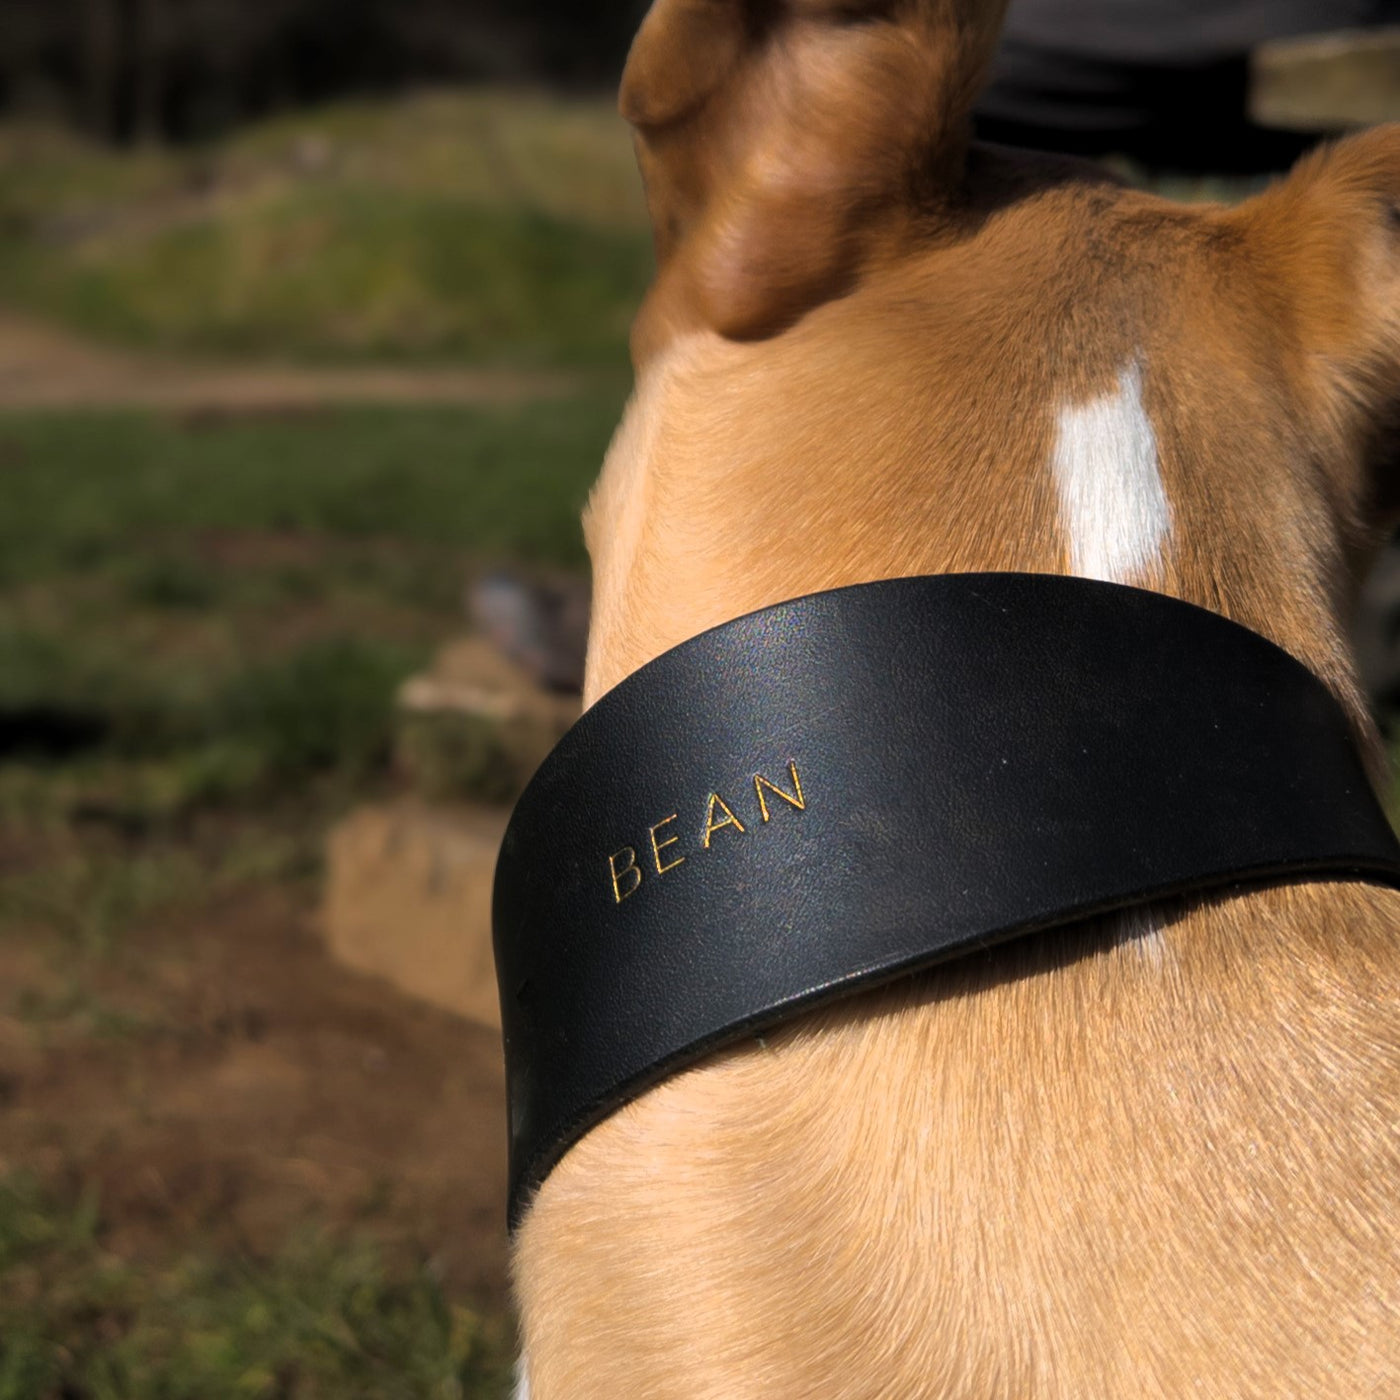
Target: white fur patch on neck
[
  {"x": 522, "y": 1380},
  {"x": 1112, "y": 503},
  {"x": 1140, "y": 932}
]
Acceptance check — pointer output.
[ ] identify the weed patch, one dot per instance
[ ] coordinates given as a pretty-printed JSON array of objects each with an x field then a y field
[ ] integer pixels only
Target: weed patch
[
  {"x": 327, "y": 707},
  {"x": 321, "y": 1318}
]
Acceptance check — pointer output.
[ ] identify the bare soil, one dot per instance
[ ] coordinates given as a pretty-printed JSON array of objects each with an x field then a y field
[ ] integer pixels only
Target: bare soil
[
  {"x": 248, "y": 1087},
  {"x": 43, "y": 366}
]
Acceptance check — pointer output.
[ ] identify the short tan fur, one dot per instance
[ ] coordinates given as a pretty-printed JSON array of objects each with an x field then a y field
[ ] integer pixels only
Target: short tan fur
[{"x": 1157, "y": 1155}]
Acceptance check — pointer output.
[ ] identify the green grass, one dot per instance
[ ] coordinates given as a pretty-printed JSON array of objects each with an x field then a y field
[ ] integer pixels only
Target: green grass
[
  {"x": 497, "y": 148},
  {"x": 79, "y": 489},
  {"x": 322, "y": 1318},
  {"x": 203, "y": 624},
  {"x": 204, "y": 613},
  {"x": 570, "y": 158},
  {"x": 489, "y": 227},
  {"x": 343, "y": 274}
]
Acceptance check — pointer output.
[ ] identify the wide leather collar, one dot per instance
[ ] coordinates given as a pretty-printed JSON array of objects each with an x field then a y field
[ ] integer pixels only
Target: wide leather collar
[{"x": 838, "y": 790}]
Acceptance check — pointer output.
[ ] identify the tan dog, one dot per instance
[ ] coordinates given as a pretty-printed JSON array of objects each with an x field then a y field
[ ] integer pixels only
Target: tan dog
[{"x": 1158, "y": 1155}]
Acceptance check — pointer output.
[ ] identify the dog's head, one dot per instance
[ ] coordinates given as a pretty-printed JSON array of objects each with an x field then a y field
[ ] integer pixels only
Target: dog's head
[{"x": 874, "y": 349}]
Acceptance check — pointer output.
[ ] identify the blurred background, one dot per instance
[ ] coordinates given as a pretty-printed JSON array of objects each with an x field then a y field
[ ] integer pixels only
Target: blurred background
[{"x": 313, "y": 321}]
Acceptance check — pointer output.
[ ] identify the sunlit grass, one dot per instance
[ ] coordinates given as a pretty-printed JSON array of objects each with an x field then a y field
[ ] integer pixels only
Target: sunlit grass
[
  {"x": 341, "y": 273},
  {"x": 492, "y": 227},
  {"x": 568, "y": 158}
]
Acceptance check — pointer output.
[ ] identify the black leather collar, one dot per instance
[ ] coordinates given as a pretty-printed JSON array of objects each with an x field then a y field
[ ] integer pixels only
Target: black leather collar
[{"x": 832, "y": 792}]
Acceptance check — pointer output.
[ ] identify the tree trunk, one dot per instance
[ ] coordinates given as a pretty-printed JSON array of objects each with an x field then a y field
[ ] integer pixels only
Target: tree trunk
[
  {"x": 149, "y": 53},
  {"x": 101, "y": 57}
]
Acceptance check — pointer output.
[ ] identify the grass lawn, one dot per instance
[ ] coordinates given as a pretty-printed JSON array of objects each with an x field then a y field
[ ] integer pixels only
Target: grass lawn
[
  {"x": 203, "y": 622},
  {"x": 317, "y": 1319},
  {"x": 82, "y": 489},
  {"x": 229, "y": 1168},
  {"x": 495, "y": 227},
  {"x": 196, "y": 610}
]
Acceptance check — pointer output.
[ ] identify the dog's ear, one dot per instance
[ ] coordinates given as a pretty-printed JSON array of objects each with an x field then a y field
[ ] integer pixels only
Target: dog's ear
[
  {"x": 1328, "y": 240},
  {"x": 779, "y": 138}
]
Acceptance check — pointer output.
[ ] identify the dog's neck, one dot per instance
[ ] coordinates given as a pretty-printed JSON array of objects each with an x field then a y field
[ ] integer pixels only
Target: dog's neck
[{"x": 967, "y": 412}]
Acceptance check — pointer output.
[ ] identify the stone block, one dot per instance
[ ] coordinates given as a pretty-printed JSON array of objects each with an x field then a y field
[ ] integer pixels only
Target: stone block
[
  {"x": 408, "y": 899},
  {"x": 471, "y": 676},
  {"x": 476, "y": 726}
]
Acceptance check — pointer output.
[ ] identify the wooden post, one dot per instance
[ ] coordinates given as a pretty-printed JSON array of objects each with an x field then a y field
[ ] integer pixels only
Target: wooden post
[{"x": 148, "y": 85}]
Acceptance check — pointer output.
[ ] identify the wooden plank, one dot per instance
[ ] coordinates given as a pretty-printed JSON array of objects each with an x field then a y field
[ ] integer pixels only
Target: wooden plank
[{"x": 1327, "y": 82}]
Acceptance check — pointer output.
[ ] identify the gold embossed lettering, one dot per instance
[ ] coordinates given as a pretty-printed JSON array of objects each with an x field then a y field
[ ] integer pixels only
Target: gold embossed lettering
[
  {"x": 658, "y": 846},
  {"x": 793, "y": 798},
  {"x": 711, "y": 825},
  {"x": 619, "y": 873}
]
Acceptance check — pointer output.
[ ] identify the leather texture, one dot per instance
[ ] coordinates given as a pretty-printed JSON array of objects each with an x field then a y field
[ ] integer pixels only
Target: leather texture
[{"x": 859, "y": 784}]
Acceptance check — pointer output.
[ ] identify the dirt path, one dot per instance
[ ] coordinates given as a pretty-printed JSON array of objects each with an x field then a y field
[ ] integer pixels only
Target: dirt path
[
  {"x": 43, "y": 366},
  {"x": 246, "y": 1086}
]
